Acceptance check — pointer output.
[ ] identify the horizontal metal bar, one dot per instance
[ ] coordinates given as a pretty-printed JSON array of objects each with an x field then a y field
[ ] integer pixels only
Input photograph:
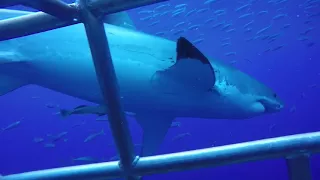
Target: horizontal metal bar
[
  {"x": 7, "y": 3},
  {"x": 109, "y": 86},
  {"x": 30, "y": 24},
  {"x": 55, "y": 8},
  {"x": 109, "y": 7},
  {"x": 41, "y": 22},
  {"x": 210, "y": 157},
  {"x": 299, "y": 167}
]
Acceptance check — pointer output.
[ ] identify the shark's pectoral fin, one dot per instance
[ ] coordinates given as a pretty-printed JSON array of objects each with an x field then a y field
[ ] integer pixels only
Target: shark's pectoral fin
[
  {"x": 192, "y": 71},
  {"x": 154, "y": 129}
]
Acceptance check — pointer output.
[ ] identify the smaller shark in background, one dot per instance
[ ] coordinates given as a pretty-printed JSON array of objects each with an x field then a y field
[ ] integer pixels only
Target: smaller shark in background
[
  {"x": 99, "y": 110},
  {"x": 158, "y": 79}
]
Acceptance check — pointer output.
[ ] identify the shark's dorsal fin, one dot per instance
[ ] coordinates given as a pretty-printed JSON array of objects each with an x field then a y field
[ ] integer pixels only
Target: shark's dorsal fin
[
  {"x": 185, "y": 49},
  {"x": 192, "y": 72}
]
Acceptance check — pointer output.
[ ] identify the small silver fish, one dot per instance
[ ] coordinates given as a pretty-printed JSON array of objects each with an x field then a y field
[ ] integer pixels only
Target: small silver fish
[
  {"x": 49, "y": 145},
  {"x": 12, "y": 125},
  {"x": 86, "y": 159},
  {"x": 38, "y": 139},
  {"x": 180, "y": 136},
  {"x": 92, "y": 136}
]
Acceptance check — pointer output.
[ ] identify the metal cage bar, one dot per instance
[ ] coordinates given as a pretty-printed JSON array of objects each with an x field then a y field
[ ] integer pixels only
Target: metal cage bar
[
  {"x": 210, "y": 157},
  {"x": 41, "y": 22},
  {"x": 55, "y": 8},
  {"x": 7, "y": 3},
  {"x": 296, "y": 148},
  {"x": 107, "y": 79},
  {"x": 299, "y": 167}
]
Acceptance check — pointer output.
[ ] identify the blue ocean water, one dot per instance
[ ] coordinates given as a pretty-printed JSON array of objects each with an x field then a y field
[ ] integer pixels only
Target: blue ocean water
[{"x": 275, "y": 41}]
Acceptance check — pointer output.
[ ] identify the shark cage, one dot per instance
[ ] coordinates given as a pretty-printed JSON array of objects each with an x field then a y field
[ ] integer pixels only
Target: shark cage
[{"x": 296, "y": 149}]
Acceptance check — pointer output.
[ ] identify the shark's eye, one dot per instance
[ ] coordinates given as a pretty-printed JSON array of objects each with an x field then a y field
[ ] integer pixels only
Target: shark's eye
[{"x": 275, "y": 95}]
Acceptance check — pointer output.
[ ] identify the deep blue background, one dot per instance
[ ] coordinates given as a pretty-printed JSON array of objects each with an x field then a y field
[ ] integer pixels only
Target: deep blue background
[{"x": 293, "y": 72}]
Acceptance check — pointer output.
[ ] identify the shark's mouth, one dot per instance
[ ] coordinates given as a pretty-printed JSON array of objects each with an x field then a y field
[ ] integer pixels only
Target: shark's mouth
[{"x": 270, "y": 105}]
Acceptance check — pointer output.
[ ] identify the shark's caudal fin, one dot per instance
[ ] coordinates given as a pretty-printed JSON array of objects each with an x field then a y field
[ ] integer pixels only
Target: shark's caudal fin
[{"x": 192, "y": 71}]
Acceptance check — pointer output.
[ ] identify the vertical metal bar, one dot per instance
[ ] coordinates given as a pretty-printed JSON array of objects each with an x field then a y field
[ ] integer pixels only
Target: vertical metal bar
[
  {"x": 299, "y": 167},
  {"x": 109, "y": 87}
]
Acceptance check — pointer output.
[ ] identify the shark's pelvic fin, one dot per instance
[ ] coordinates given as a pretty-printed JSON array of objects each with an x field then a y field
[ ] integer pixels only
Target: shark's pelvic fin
[
  {"x": 121, "y": 19},
  {"x": 192, "y": 71}
]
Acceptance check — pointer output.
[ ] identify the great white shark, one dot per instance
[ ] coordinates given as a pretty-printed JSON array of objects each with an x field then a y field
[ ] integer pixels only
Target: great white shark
[{"x": 159, "y": 79}]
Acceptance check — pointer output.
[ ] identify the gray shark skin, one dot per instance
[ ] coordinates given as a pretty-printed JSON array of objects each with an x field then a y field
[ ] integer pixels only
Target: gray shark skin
[{"x": 159, "y": 79}]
